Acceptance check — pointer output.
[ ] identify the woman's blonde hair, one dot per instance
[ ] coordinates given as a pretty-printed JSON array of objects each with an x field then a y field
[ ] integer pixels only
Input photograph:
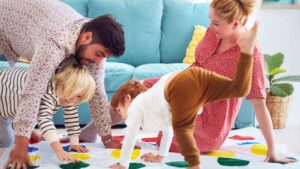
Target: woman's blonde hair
[
  {"x": 231, "y": 10},
  {"x": 72, "y": 79}
]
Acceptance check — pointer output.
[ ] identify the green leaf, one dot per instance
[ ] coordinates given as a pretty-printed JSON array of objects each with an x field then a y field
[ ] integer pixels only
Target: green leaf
[
  {"x": 267, "y": 69},
  {"x": 292, "y": 78},
  {"x": 276, "y": 71},
  {"x": 274, "y": 61},
  {"x": 282, "y": 90}
]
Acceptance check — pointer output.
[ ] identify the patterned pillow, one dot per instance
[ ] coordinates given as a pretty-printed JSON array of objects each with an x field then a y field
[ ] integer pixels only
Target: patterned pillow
[{"x": 198, "y": 35}]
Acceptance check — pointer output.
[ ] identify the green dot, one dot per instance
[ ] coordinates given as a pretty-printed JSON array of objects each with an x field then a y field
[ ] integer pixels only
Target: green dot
[
  {"x": 232, "y": 162},
  {"x": 74, "y": 165},
  {"x": 179, "y": 164},
  {"x": 136, "y": 165}
]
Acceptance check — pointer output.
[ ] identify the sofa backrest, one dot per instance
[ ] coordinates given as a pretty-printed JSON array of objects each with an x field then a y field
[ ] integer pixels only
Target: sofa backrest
[
  {"x": 81, "y": 6},
  {"x": 156, "y": 31},
  {"x": 178, "y": 22},
  {"x": 141, "y": 21}
]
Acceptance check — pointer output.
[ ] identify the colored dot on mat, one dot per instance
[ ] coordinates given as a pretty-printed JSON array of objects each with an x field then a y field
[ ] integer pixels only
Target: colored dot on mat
[
  {"x": 259, "y": 149},
  {"x": 151, "y": 139},
  {"x": 32, "y": 149},
  {"x": 222, "y": 154},
  {"x": 238, "y": 137},
  {"x": 232, "y": 162},
  {"x": 27, "y": 167},
  {"x": 74, "y": 165},
  {"x": 34, "y": 158},
  {"x": 179, "y": 164},
  {"x": 80, "y": 156},
  {"x": 136, "y": 165},
  {"x": 247, "y": 143},
  {"x": 66, "y": 148},
  {"x": 117, "y": 154},
  {"x": 33, "y": 141}
]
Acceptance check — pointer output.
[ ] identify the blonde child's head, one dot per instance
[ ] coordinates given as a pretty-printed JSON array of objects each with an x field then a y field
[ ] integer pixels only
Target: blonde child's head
[
  {"x": 74, "y": 82},
  {"x": 232, "y": 10},
  {"x": 131, "y": 88}
]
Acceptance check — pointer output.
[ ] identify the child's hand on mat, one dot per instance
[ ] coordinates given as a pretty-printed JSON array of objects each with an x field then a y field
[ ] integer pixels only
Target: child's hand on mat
[
  {"x": 194, "y": 167},
  {"x": 78, "y": 149},
  {"x": 64, "y": 157},
  {"x": 117, "y": 166},
  {"x": 149, "y": 157}
]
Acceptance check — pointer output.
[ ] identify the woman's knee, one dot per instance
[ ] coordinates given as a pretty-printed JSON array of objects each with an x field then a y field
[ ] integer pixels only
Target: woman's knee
[
  {"x": 6, "y": 133},
  {"x": 6, "y": 141}
]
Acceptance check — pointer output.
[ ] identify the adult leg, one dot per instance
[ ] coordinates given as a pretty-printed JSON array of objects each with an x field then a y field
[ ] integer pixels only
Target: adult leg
[
  {"x": 89, "y": 132},
  {"x": 6, "y": 133}
]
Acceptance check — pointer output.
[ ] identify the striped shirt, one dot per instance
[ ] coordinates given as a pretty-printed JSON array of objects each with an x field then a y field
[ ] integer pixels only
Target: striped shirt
[
  {"x": 11, "y": 84},
  {"x": 46, "y": 32}
]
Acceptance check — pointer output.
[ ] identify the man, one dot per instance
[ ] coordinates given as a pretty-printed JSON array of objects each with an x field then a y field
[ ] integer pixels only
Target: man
[{"x": 47, "y": 32}]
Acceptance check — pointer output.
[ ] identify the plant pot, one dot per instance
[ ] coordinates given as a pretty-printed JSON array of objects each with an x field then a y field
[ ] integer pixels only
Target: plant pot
[{"x": 278, "y": 108}]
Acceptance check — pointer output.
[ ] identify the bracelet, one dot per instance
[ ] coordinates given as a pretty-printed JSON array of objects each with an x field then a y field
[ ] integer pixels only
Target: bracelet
[{"x": 107, "y": 141}]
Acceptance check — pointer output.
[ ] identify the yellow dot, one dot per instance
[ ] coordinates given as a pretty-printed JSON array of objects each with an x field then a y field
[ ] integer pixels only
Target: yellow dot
[
  {"x": 34, "y": 158},
  {"x": 259, "y": 149},
  {"x": 117, "y": 154},
  {"x": 224, "y": 154},
  {"x": 80, "y": 156}
]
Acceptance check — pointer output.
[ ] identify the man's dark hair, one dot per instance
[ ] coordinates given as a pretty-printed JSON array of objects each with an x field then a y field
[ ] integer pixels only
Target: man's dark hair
[{"x": 107, "y": 32}]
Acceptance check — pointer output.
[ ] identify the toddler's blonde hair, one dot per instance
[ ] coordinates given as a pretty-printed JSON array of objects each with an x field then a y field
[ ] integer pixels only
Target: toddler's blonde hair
[
  {"x": 231, "y": 10},
  {"x": 72, "y": 79}
]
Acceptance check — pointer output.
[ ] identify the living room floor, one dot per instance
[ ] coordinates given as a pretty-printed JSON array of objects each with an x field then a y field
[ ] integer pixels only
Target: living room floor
[{"x": 288, "y": 136}]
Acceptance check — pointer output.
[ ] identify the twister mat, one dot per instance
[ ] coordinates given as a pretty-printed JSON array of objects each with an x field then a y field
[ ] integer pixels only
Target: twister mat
[{"x": 243, "y": 148}]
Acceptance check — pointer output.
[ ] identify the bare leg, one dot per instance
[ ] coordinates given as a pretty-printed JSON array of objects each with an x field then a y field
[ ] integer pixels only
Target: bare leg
[{"x": 246, "y": 41}]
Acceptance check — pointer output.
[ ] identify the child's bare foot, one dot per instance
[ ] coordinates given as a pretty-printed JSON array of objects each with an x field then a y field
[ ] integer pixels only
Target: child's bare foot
[
  {"x": 36, "y": 136},
  {"x": 246, "y": 41}
]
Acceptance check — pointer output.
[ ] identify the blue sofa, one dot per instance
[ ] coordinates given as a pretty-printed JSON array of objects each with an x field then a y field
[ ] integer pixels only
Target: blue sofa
[{"x": 157, "y": 33}]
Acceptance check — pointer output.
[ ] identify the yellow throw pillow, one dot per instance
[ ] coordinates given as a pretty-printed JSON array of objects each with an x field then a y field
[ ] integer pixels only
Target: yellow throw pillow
[
  {"x": 198, "y": 35},
  {"x": 24, "y": 59}
]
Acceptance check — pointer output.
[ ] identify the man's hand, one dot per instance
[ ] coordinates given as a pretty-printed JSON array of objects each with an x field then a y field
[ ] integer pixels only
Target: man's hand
[
  {"x": 149, "y": 157},
  {"x": 110, "y": 143},
  {"x": 78, "y": 149},
  {"x": 18, "y": 156}
]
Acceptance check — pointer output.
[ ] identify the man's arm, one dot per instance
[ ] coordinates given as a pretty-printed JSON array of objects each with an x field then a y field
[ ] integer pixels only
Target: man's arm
[
  {"x": 42, "y": 67},
  {"x": 45, "y": 60}
]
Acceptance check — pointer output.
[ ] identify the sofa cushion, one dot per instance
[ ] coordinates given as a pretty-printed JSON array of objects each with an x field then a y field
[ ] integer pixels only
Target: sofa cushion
[
  {"x": 83, "y": 113},
  {"x": 81, "y": 6},
  {"x": 142, "y": 25},
  {"x": 116, "y": 74},
  {"x": 178, "y": 23},
  {"x": 156, "y": 70},
  {"x": 4, "y": 64}
]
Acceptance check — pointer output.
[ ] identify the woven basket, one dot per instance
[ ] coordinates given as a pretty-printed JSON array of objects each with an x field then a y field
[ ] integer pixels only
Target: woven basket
[{"x": 278, "y": 107}]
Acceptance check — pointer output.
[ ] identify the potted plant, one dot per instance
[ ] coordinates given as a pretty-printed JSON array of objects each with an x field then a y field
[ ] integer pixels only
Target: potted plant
[{"x": 279, "y": 92}]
